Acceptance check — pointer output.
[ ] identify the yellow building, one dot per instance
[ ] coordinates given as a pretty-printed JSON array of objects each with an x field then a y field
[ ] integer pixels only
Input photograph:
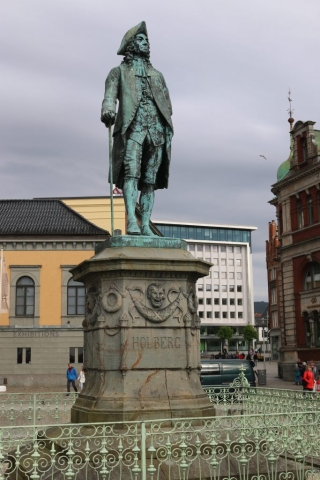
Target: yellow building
[{"x": 41, "y": 328}]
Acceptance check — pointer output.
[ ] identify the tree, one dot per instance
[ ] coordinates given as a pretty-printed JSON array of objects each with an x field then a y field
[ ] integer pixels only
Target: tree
[
  {"x": 249, "y": 333},
  {"x": 225, "y": 333}
]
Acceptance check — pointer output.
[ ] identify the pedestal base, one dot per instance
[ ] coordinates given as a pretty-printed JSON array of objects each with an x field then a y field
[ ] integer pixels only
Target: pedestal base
[{"x": 141, "y": 332}]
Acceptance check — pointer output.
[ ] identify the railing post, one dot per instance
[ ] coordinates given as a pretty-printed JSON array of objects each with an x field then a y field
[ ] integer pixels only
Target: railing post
[
  {"x": 34, "y": 407},
  {"x": 143, "y": 452}
]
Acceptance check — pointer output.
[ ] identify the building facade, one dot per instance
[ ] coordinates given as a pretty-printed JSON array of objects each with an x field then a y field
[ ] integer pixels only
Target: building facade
[
  {"x": 43, "y": 309},
  {"x": 293, "y": 251},
  {"x": 226, "y": 295}
]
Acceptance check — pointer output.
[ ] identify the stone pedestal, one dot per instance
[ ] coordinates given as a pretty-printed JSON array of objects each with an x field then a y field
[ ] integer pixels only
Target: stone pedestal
[{"x": 141, "y": 332}]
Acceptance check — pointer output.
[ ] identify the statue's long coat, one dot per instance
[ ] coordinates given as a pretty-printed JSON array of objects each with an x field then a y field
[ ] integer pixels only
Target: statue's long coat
[{"x": 121, "y": 85}]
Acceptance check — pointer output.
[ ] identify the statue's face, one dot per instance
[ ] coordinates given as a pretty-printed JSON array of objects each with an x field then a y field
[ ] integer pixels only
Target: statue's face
[
  {"x": 156, "y": 295},
  {"x": 141, "y": 44}
]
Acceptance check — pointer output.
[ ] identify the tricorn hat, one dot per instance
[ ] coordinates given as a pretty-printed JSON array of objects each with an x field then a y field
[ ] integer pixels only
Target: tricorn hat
[{"x": 140, "y": 28}]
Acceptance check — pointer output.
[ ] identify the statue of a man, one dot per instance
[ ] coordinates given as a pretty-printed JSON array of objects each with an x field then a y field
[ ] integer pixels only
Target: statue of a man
[{"x": 143, "y": 128}]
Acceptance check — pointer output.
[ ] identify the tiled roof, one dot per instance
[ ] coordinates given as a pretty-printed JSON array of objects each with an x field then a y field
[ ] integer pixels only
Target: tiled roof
[{"x": 43, "y": 217}]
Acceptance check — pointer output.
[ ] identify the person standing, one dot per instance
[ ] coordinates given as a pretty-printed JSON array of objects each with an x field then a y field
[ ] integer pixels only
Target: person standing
[
  {"x": 314, "y": 370},
  {"x": 72, "y": 376},
  {"x": 308, "y": 379},
  {"x": 82, "y": 379}
]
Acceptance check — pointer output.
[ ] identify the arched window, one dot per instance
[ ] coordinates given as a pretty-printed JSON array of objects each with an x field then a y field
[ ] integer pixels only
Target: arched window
[
  {"x": 300, "y": 214},
  {"x": 76, "y": 297},
  {"x": 310, "y": 209},
  {"x": 25, "y": 297},
  {"x": 312, "y": 278}
]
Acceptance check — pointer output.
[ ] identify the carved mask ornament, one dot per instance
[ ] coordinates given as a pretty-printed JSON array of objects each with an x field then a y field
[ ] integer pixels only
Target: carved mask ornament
[{"x": 156, "y": 294}]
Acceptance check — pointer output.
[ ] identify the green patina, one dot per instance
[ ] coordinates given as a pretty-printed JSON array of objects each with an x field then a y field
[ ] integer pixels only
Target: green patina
[
  {"x": 143, "y": 128},
  {"x": 141, "y": 242},
  {"x": 284, "y": 168}
]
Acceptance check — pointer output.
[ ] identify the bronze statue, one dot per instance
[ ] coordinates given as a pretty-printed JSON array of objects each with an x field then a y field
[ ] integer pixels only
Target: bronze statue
[{"x": 143, "y": 128}]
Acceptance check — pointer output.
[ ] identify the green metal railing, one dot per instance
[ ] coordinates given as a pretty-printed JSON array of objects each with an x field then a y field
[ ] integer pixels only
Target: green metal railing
[
  {"x": 263, "y": 446},
  {"x": 35, "y": 408}
]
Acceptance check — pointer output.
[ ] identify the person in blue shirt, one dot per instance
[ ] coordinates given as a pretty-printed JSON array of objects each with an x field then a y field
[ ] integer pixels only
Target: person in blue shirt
[{"x": 71, "y": 377}]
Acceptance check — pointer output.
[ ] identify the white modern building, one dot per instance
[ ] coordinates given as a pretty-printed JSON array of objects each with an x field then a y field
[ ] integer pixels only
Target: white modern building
[{"x": 226, "y": 295}]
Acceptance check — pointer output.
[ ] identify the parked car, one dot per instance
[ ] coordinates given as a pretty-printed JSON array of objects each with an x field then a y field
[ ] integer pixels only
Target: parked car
[{"x": 223, "y": 372}]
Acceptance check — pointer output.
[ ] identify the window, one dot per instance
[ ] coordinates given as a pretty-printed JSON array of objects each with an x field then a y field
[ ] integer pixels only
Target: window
[
  {"x": 76, "y": 355},
  {"x": 230, "y": 262},
  {"x": 240, "y": 315},
  {"x": 200, "y": 287},
  {"x": 214, "y": 248},
  {"x": 24, "y": 355},
  {"x": 273, "y": 295},
  {"x": 208, "y": 301},
  {"x": 207, "y": 248},
  {"x": 217, "y": 301},
  {"x": 239, "y": 275},
  {"x": 208, "y": 260},
  {"x": 272, "y": 273},
  {"x": 215, "y": 261},
  {"x": 25, "y": 297},
  {"x": 224, "y": 314},
  {"x": 208, "y": 287},
  {"x": 239, "y": 288},
  {"x": 223, "y": 275},
  {"x": 209, "y": 314},
  {"x": 310, "y": 210},
  {"x": 274, "y": 316},
  {"x": 223, "y": 262},
  {"x": 199, "y": 248},
  {"x": 300, "y": 214},
  {"x": 76, "y": 298},
  {"x": 200, "y": 301},
  {"x": 230, "y": 249},
  {"x": 216, "y": 314},
  {"x": 238, "y": 262},
  {"x": 232, "y": 302},
  {"x": 312, "y": 278},
  {"x": 215, "y": 274},
  {"x": 239, "y": 301},
  {"x": 223, "y": 249},
  {"x": 191, "y": 247},
  {"x": 237, "y": 249},
  {"x": 231, "y": 275},
  {"x": 224, "y": 301},
  {"x": 224, "y": 288},
  {"x": 231, "y": 288},
  {"x": 216, "y": 288},
  {"x": 201, "y": 314},
  {"x": 232, "y": 314}
]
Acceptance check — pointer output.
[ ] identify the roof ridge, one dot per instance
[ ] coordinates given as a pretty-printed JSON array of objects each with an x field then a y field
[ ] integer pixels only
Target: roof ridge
[{"x": 74, "y": 212}]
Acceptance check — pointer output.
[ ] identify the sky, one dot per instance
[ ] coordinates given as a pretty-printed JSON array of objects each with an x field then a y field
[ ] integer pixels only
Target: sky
[{"x": 228, "y": 66}]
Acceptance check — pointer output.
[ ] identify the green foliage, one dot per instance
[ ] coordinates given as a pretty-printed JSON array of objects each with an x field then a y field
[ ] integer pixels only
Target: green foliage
[
  {"x": 249, "y": 333},
  {"x": 225, "y": 333}
]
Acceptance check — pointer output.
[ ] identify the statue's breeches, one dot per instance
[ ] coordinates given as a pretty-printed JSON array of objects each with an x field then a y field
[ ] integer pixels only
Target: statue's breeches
[{"x": 142, "y": 161}]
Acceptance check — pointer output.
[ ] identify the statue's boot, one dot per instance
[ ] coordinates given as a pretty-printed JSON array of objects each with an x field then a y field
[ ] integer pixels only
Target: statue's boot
[
  {"x": 130, "y": 194},
  {"x": 146, "y": 206}
]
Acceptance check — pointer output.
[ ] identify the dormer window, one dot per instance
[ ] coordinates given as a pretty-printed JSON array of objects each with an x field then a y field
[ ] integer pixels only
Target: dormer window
[{"x": 302, "y": 149}]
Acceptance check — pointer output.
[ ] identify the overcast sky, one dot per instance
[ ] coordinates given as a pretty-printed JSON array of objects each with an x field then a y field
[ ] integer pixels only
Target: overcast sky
[{"x": 228, "y": 65}]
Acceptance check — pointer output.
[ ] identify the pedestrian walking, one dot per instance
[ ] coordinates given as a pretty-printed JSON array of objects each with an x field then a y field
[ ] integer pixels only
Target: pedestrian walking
[
  {"x": 314, "y": 370},
  {"x": 72, "y": 376},
  {"x": 82, "y": 379}
]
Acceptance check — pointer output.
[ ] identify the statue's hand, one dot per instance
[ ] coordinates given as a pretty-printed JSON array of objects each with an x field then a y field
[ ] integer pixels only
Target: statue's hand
[{"x": 108, "y": 117}]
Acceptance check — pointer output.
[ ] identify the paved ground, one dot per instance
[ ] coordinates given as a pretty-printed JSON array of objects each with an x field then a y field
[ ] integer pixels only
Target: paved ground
[{"x": 271, "y": 378}]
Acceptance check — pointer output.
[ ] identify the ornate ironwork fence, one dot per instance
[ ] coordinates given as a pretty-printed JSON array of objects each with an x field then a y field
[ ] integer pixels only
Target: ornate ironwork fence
[
  {"x": 35, "y": 408},
  {"x": 262, "y": 446}
]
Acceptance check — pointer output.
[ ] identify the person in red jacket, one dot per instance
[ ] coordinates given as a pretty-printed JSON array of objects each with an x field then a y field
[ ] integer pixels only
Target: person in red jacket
[{"x": 308, "y": 378}]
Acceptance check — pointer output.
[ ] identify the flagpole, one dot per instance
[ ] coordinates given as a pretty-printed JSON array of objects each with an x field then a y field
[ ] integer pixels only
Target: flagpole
[{"x": 1, "y": 270}]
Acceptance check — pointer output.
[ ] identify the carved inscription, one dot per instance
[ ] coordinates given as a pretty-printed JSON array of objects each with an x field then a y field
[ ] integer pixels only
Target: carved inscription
[
  {"x": 35, "y": 334},
  {"x": 155, "y": 342}
]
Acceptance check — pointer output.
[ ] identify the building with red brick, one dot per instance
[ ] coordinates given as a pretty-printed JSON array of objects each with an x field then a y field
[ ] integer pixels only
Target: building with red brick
[{"x": 293, "y": 252}]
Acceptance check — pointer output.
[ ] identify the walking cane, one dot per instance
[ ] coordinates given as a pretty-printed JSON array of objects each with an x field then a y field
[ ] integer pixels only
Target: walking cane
[{"x": 111, "y": 179}]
